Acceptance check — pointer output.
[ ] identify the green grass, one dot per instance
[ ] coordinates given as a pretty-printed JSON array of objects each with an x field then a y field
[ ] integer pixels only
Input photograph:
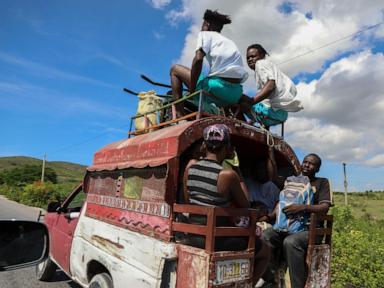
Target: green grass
[{"x": 368, "y": 205}]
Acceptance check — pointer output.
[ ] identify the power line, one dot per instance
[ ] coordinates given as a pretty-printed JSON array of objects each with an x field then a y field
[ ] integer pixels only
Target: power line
[{"x": 331, "y": 43}]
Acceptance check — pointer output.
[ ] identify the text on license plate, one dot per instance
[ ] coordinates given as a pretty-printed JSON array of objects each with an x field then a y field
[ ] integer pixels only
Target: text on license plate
[{"x": 232, "y": 270}]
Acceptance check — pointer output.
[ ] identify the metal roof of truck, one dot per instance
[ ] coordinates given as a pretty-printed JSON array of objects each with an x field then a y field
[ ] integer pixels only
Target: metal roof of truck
[{"x": 160, "y": 146}]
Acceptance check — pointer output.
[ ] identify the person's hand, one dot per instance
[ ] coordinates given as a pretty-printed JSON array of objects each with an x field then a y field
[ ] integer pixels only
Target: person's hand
[{"x": 293, "y": 209}]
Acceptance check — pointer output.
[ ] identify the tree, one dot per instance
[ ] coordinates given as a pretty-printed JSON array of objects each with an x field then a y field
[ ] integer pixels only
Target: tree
[{"x": 20, "y": 176}]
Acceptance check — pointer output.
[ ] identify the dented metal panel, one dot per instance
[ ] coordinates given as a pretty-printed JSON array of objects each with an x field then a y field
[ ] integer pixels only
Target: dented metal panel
[{"x": 132, "y": 259}]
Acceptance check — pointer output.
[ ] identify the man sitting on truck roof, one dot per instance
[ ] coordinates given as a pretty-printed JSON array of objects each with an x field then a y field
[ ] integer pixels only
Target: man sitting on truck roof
[
  {"x": 207, "y": 183},
  {"x": 225, "y": 62},
  {"x": 294, "y": 246},
  {"x": 276, "y": 91}
]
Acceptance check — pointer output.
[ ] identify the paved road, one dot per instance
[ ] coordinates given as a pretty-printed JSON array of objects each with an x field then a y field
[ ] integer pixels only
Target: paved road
[{"x": 25, "y": 278}]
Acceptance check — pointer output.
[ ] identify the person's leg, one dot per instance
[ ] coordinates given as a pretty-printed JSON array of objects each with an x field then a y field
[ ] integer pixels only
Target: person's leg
[
  {"x": 179, "y": 75},
  {"x": 262, "y": 257},
  {"x": 295, "y": 249},
  {"x": 275, "y": 241},
  {"x": 269, "y": 117}
]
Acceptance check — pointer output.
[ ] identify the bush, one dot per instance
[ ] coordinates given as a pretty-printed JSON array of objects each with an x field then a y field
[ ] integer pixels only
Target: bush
[
  {"x": 40, "y": 194},
  {"x": 358, "y": 251},
  {"x": 11, "y": 192}
]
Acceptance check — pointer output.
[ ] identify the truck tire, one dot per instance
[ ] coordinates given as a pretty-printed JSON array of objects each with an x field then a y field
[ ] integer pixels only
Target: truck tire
[
  {"x": 102, "y": 280},
  {"x": 45, "y": 270}
]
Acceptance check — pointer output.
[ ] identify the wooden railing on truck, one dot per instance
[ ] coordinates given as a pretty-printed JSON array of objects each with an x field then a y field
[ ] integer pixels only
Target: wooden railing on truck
[
  {"x": 210, "y": 231},
  {"x": 319, "y": 253}
]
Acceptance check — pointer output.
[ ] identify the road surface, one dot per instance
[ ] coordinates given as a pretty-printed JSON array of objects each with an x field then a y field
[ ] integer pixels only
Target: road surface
[{"x": 25, "y": 278}]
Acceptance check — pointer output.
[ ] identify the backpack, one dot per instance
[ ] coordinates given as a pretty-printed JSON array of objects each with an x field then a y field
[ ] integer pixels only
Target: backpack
[{"x": 297, "y": 190}]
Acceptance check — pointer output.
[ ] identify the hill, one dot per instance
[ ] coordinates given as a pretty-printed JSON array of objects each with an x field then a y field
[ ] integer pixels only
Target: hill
[{"x": 67, "y": 172}]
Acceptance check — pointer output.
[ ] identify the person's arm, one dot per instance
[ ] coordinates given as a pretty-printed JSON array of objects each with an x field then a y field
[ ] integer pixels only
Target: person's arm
[
  {"x": 321, "y": 208},
  {"x": 228, "y": 183},
  {"x": 297, "y": 208},
  {"x": 185, "y": 180},
  {"x": 265, "y": 91},
  {"x": 197, "y": 65},
  {"x": 242, "y": 183}
]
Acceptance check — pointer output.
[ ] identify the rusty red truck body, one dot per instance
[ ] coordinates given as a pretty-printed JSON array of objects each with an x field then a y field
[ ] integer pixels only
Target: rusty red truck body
[{"x": 119, "y": 228}]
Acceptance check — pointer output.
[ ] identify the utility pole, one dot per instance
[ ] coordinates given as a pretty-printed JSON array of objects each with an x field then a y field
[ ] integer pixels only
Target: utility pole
[
  {"x": 43, "y": 168},
  {"x": 345, "y": 184}
]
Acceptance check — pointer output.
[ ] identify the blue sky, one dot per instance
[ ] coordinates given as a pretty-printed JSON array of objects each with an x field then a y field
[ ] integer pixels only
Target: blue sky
[{"x": 63, "y": 65}]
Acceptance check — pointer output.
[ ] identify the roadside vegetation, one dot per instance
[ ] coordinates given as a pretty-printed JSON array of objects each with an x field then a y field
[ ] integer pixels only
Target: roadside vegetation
[
  {"x": 358, "y": 242},
  {"x": 358, "y": 234},
  {"x": 20, "y": 180}
]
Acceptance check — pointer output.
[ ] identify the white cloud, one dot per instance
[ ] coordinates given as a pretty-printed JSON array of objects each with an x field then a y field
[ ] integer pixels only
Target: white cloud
[
  {"x": 344, "y": 107},
  {"x": 377, "y": 160},
  {"x": 159, "y": 4},
  {"x": 285, "y": 35},
  {"x": 343, "y": 111}
]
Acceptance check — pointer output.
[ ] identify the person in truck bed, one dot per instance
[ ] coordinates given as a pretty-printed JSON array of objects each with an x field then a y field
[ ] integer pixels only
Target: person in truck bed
[
  {"x": 225, "y": 63},
  {"x": 207, "y": 183},
  {"x": 293, "y": 245}
]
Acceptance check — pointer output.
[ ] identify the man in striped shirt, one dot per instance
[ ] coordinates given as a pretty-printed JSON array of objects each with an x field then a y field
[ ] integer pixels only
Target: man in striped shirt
[{"x": 206, "y": 183}]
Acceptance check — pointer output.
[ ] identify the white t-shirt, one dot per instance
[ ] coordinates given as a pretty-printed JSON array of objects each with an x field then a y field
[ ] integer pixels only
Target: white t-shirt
[
  {"x": 283, "y": 96},
  {"x": 222, "y": 54}
]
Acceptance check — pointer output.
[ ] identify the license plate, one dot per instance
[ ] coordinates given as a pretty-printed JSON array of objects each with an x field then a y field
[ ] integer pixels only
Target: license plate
[{"x": 232, "y": 270}]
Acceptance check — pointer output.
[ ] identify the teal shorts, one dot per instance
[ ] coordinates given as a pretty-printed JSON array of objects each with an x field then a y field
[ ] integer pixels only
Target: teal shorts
[
  {"x": 269, "y": 117},
  {"x": 227, "y": 93}
]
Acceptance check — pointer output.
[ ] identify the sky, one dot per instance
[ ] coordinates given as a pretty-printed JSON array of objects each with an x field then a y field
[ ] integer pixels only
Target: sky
[{"x": 64, "y": 64}]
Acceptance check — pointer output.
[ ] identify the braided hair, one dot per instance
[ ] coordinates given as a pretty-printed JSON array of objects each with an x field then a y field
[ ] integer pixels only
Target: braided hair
[{"x": 216, "y": 19}]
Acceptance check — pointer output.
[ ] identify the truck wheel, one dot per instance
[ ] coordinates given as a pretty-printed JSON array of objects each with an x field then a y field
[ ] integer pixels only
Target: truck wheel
[
  {"x": 45, "y": 270},
  {"x": 102, "y": 280}
]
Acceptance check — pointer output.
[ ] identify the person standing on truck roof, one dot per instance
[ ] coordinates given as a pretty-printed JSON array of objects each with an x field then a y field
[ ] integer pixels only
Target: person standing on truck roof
[
  {"x": 207, "y": 183},
  {"x": 225, "y": 62},
  {"x": 294, "y": 246},
  {"x": 276, "y": 91}
]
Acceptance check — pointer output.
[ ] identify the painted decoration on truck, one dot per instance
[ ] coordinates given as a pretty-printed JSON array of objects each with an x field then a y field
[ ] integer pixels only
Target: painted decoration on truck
[
  {"x": 133, "y": 187},
  {"x": 148, "y": 224},
  {"x": 144, "y": 207},
  {"x": 147, "y": 184}
]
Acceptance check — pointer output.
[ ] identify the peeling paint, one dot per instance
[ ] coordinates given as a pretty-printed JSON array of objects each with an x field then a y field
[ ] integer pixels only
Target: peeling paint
[{"x": 104, "y": 241}]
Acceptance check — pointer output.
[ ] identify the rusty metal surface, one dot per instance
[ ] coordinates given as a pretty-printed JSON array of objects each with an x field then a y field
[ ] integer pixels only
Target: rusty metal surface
[
  {"x": 158, "y": 147},
  {"x": 319, "y": 272},
  {"x": 192, "y": 270}
]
